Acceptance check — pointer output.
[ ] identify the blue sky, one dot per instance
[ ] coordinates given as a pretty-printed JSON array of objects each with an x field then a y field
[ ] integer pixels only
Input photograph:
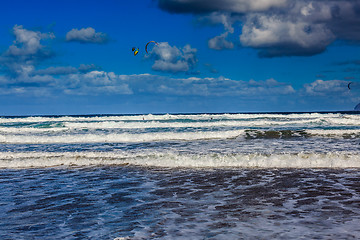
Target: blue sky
[{"x": 74, "y": 57}]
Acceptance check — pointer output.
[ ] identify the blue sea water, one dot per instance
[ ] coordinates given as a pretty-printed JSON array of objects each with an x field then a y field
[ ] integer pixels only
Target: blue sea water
[{"x": 181, "y": 176}]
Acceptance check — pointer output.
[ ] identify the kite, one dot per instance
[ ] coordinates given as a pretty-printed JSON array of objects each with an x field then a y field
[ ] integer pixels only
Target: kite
[
  {"x": 349, "y": 85},
  {"x": 135, "y": 50},
  {"x": 148, "y": 44}
]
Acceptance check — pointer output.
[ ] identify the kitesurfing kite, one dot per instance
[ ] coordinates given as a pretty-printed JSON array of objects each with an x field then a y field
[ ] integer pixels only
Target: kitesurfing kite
[
  {"x": 349, "y": 85},
  {"x": 146, "y": 46},
  {"x": 135, "y": 50}
]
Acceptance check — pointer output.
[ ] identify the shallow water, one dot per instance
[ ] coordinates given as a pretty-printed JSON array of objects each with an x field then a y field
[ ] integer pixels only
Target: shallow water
[{"x": 154, "y": 203}]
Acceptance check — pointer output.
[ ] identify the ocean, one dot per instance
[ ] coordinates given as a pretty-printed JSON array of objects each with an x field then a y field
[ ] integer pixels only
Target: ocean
[{"x": 181, "y": 176}]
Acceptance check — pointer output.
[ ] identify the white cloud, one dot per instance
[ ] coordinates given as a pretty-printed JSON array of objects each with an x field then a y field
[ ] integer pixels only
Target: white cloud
[
  {"x": 25, "y": 52},
  {"x": 326, "y": 88},
  {"x": 86, "y": 35},
  {"x": 220, "y": 42},
  {"x": 27, "y": 42},
  {"x": 226, "y": 19},
  {"x": 88, "y": 67},
  {"x": 172, "y": 59},
  {"x": 279, "y": 36},
  {"x": 164, "y": 66}
]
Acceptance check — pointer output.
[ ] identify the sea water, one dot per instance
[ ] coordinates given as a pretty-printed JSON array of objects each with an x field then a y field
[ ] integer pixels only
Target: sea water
[{"x": 181, "y": 176}]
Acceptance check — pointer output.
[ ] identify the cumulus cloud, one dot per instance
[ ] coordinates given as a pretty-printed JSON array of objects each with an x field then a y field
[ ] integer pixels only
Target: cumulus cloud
[
  {"x": 326, "y": 88},
  {"x": 220, "y": 42},
  {"x": 25, "y": 52},
  {"x": 276, "y": 36},
  {"x": 172, "y": 59},
  {"x": 86, "y": 35},
  {"x": 226, "y": 19},
  {"x": 27, "y": 42},
  {"x": 84, "y": 68},
  {"x": 278, "y": 27}
]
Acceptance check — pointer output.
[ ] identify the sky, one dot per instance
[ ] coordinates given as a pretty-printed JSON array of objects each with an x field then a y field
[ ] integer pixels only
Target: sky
[{"x": 64, "y": 57}]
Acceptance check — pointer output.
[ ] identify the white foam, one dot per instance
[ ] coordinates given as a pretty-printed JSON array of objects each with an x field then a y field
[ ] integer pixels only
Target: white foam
[
  {"x": 209, "y": 123},
  {"x": 334, "y": 132},
  {"x": 179, "y": 121},
  {"x": 195, "y": 117},
  {"x": 106, "y": 124},
  {"x": 29, "y": 130},
  {"x": 73, "y": 138},
  {"x": 148, "y": 124},
  {"x": 122, "y": 137},
  {"x": 11, "y": 160}
]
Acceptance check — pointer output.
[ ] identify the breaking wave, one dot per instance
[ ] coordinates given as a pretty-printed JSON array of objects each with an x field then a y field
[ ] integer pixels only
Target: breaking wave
[
  {"x": 174, "y": 136},
  {"x": 294, "y": 140},
  {"x": 177, "y": 160}
]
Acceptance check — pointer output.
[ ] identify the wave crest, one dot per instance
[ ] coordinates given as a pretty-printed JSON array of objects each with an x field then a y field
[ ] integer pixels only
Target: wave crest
[{"x": 177, "y": 160}]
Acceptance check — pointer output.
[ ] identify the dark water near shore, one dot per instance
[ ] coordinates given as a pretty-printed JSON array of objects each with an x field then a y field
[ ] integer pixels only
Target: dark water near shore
[{"x": 149, "y": 203}]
